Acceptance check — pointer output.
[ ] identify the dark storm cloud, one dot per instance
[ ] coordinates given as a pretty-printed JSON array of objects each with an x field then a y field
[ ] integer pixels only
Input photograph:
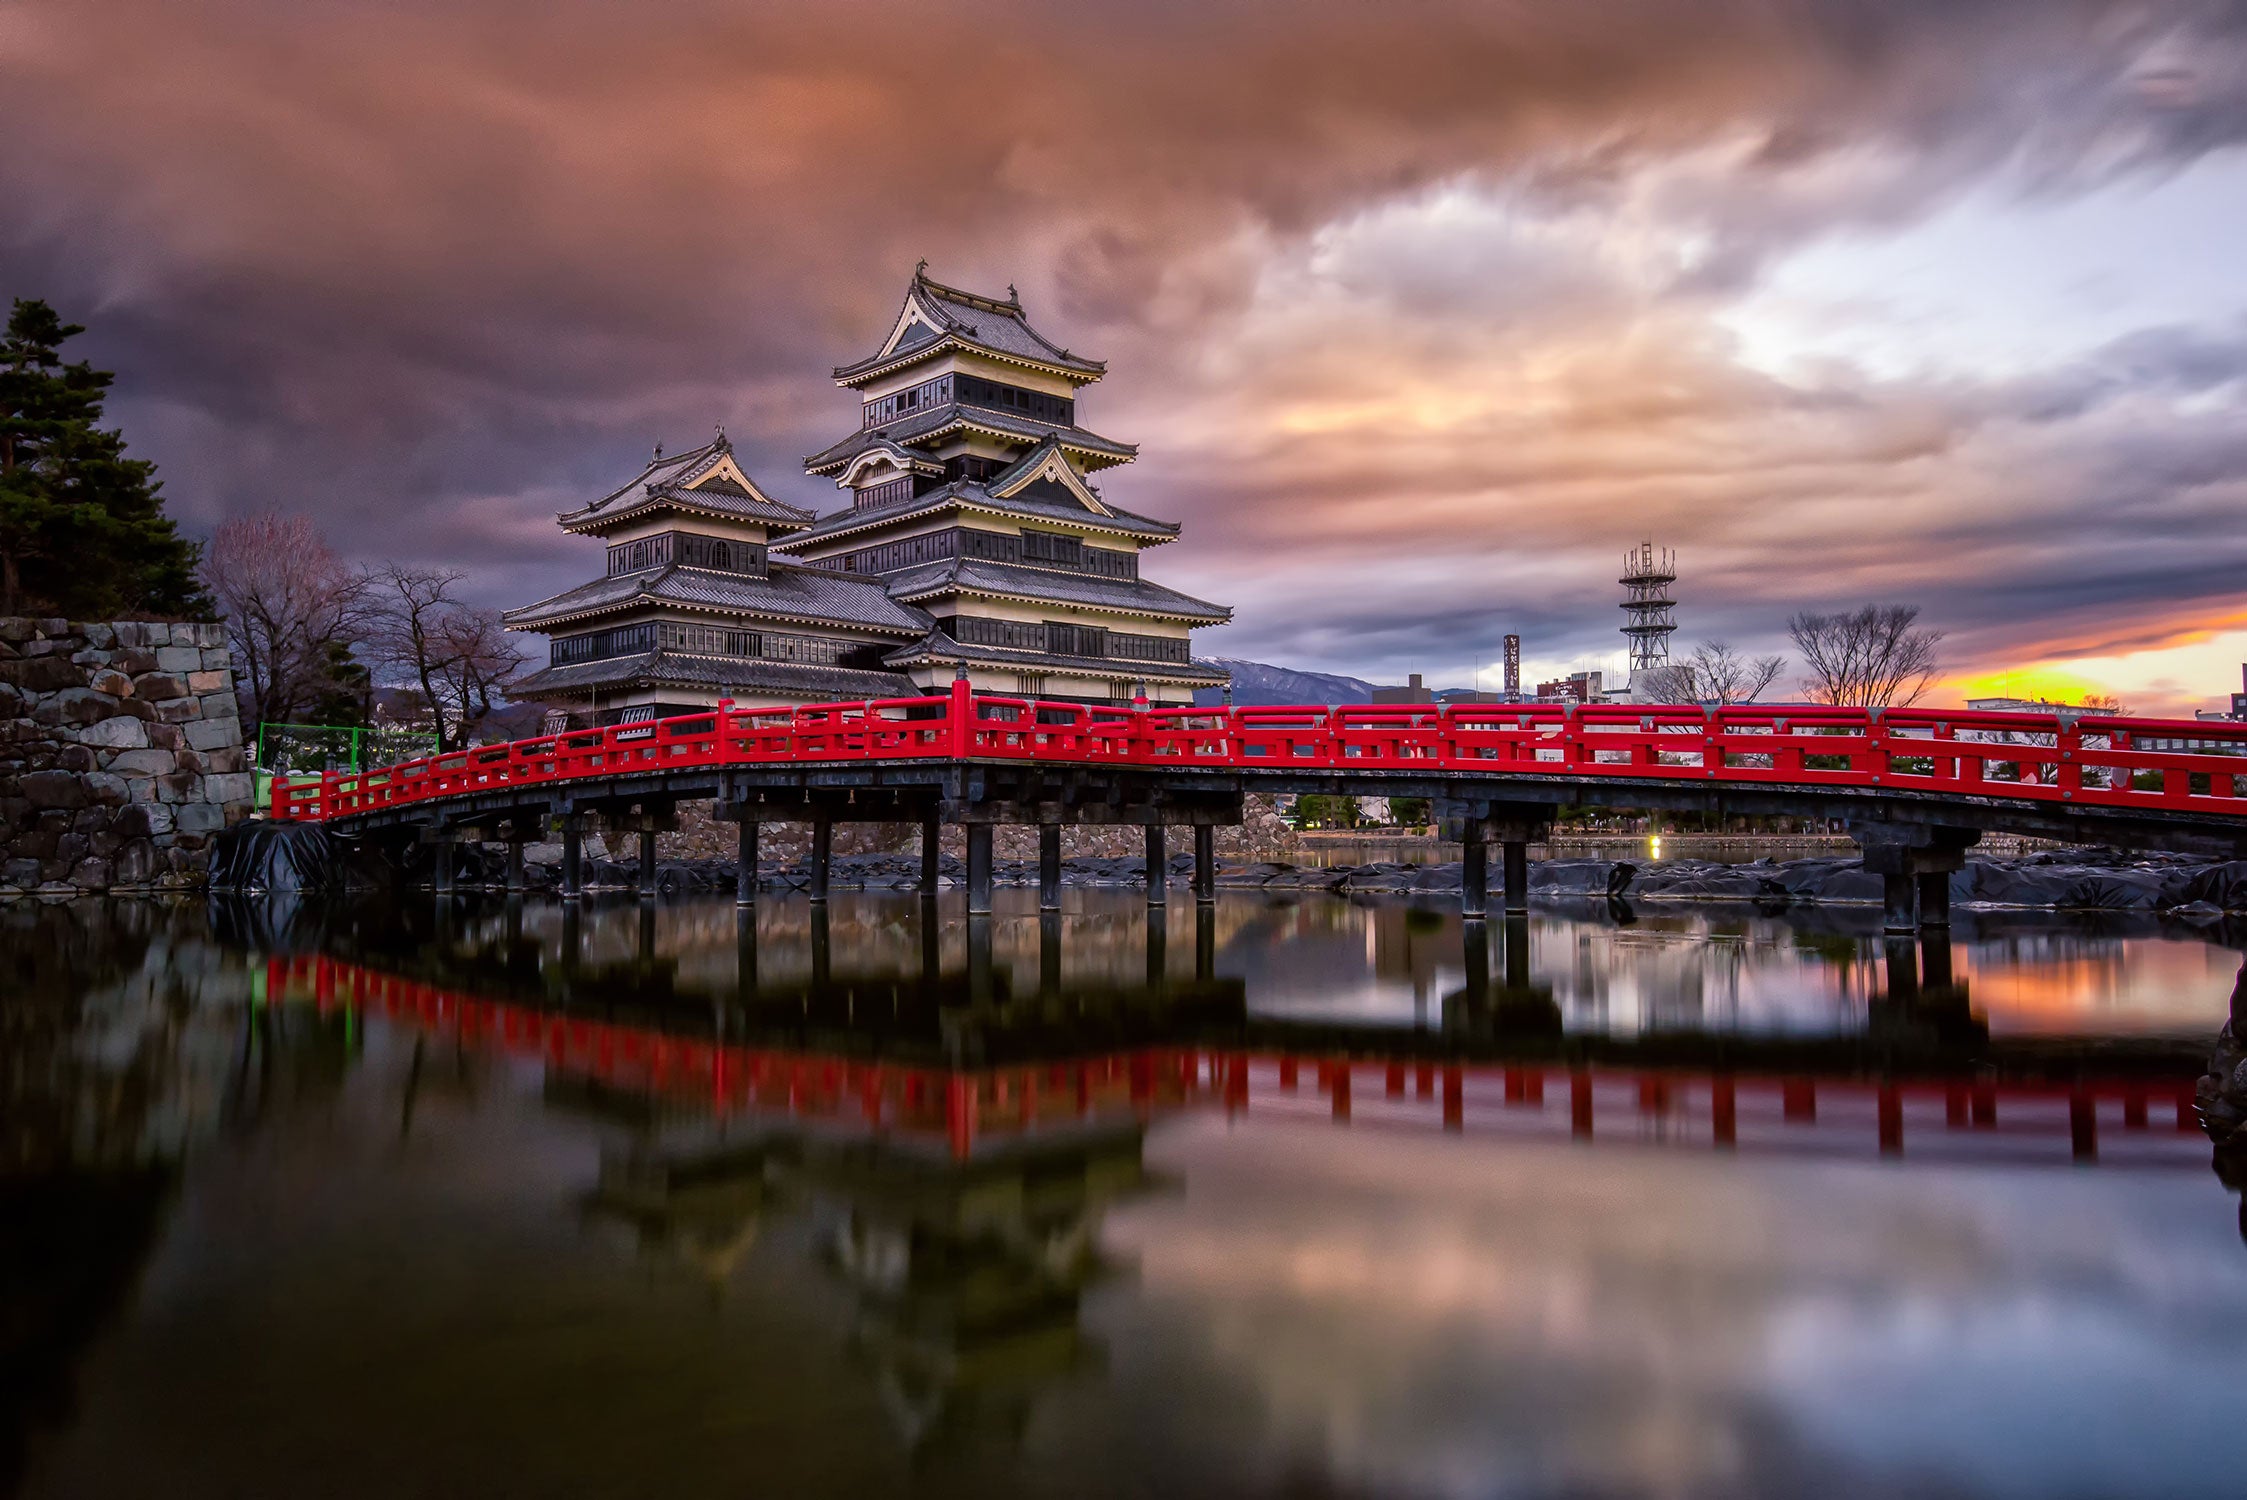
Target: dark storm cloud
[{"x": 433, "y": 271}]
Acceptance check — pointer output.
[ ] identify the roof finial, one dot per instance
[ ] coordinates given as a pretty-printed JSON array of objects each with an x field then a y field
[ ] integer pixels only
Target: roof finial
[
  {"x": 920, "y": 268},
  {"x": 659, "y": 448},
  {"x": 722, "y": 445},
  {"x": 1012, "y": 296}
]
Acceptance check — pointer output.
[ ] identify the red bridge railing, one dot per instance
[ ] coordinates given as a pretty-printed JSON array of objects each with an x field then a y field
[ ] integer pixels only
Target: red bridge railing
[{"x": 2178, "y": 765}]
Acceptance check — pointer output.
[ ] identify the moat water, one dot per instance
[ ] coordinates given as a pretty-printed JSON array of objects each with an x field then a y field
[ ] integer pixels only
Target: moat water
[{"x": 505, "y": 1199}]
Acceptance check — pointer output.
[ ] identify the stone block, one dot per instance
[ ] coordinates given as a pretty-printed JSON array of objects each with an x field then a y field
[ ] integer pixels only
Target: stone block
[
  {"x": 190, "y": 762},
  {"x": 178, "y": 659},
  {"x": 160, "y": 817},
  {"x": 99, "y": 634},
  {"x": 63, "y": 646},
  {"x": 106, "y": 843},
  {"x": 236, "y": 787},
  {"x": 226, "y": 762},
  {"x": 79, "y": 758},
  {"x": 210, "y": 682},
  {"x": 42, "y": 674},
  {"x": 135, "y": 863},
  {"x": 116, "y": 684},
  {"x": 69, "y": 849},
  {"x": 141, "y": 633},
  {"x": 213, "y": 734},
  {"x": 221, "y": 706},
  {"x": 134, "y": 661},
  {"x": 53, "y": 789},
  {"x": 107, "y": 788},
  {"x": 199, "y": 817},
  {"x": 90, "y": 819},
  {"x": 167, "y": 736},
  {"x": 158, "y": 687},
  {"x": 91, "y": 874},
  {"x": 133, "y": 822},
  {"x": 75, "y": 707},
  {"x": 217, "y": 659},
  {"x": 142, "y": 762},
  {"x": 36, "y": 843},
  {"x": 115, "y": 734},
  {"x": 179, "y": 710},
  {"x": 15, "y": 629}
]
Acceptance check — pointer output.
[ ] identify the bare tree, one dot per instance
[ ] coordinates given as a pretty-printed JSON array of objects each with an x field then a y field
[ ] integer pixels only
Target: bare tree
[
  {"x": 1871, "y": 657},
  {"x": 2106, "y": 705},
  {"x": 1714, "y": 673},
  {"x": 457, "y": 657},
  {"x": 293, "y": 609}
]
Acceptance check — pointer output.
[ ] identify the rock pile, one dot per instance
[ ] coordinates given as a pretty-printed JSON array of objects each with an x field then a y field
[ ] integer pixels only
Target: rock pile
[{"x": 120, "y": 754}]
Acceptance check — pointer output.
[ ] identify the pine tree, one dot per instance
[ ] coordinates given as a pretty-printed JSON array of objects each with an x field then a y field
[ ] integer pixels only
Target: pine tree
[{"x": 82, "y": 527}]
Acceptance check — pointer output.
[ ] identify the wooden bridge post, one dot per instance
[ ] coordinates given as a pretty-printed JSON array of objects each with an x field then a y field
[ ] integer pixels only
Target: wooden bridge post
[
  {"x": 1049, "y": 867},
  {"x": 1516, "y": 853},
  {"x": 1205, "y": 864},
  {"x": 1474, "y": 875},
  {"x": 979, "y": 869},
  {"x": 446, "y": 860},
  {"x": 516, "y": 884},
  {"x": 745, "y": 864},
  {"x": 573, "y": 856},
  {"x": 932, "y": 852},
  {"x": 1899, "y": 903},
  {"x": 1158, "y": 867},
  {"x": 1934, "y": 898},
  {"x": 647, "y": 864},
  {"x": 822, "y": 853}
]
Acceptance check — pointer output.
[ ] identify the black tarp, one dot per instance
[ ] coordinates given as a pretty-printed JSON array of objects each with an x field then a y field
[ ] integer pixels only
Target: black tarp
[{"x": 265, "y": 856}]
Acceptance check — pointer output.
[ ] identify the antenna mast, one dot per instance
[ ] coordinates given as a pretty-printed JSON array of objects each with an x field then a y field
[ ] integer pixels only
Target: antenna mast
[{"x": 1648, "y": 572}]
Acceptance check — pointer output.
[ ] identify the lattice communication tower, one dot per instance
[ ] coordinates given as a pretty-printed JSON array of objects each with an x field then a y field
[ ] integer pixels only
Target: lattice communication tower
[
  {"x": 1648, "y": 572},
  {"x": 1513, "y": 668}
]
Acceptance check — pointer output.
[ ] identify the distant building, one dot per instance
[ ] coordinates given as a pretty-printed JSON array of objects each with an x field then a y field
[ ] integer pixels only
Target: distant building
[
  {"x": 2017, "y": 705},
  {"x": 1576, "y": 687},
  {"x": 1413, "y": 691}
]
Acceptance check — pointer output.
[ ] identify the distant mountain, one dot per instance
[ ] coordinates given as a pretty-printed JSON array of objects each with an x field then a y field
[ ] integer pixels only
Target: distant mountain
[{"x": 1258, "y": 682}]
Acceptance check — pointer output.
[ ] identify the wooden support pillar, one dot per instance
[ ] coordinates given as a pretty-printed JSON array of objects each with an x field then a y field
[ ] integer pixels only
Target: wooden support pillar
[
  {"x": 1516, "y": 853},
  {"x": 979, "y": 869},
  {"x": 1158, "y": 867},
  {"x": 932, "y": 852},
  {"x": 1049, "y": 867},
  {"x": 1899, "y": 908},
  {"x": 516, "y": 882},
  {"x": 1205, "y": 864},
  {"x": 1474, "y": 875},
  {"x": 446, "y": 858},
  {"x": 1934, "y": 898},
  {"x": 646, "y": 881},
  {"x": 745, "y": 865},
  {"x": 647, "y": 931},
  {"x": 573, "y": 858},
  {"x": 822, "y": 853}
]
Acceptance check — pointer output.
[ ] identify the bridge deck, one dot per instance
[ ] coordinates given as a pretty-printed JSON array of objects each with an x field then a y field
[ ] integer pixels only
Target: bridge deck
[{"x": 2062, "y": 773}]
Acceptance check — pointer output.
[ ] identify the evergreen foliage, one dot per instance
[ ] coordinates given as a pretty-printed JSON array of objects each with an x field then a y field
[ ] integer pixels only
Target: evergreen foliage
[{"x": 82, "y": 527}]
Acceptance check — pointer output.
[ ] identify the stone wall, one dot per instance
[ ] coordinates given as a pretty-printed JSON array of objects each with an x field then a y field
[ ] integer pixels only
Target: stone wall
[{"x": 120, "y": 754}]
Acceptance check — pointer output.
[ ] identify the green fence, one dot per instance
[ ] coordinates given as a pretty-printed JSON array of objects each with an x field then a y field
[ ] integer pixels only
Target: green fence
[{"x": 299, "y": 749}]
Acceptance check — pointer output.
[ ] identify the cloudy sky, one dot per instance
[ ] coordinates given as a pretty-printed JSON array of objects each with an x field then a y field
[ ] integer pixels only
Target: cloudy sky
[{"x": 1421, "y": 312}]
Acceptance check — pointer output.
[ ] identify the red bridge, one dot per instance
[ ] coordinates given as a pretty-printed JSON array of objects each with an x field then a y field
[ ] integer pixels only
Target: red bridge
[{"x": 1917, "y": 785}]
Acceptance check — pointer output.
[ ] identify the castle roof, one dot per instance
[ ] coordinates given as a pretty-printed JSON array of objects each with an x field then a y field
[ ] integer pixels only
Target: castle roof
[
  {"x": 968, "y": 575},
  {"x": 931, "y": 425},
  {"x": 745, "y": 679},
  {"x": 935, "y": 317},
  {"x": 793, "y": 592},
  {"x": 938, "y": 648},
  {"x": 705, "y": 480}
]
